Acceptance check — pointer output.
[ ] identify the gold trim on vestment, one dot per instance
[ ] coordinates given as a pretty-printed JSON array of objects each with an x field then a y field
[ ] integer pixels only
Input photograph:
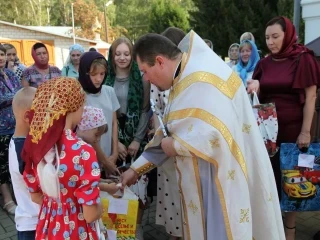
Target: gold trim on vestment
[
  {"x": 144, "y": 168},
  {"x": 185, "y": 223},
  {"x": 229, "y": 88},
  {"x": 185, "y": 59},
  {"x": 216, "y": 123},
  {"x": 151, "y": 142},
  {"x": 197, "y": 175},
  {"x": 217, "y": 182}
]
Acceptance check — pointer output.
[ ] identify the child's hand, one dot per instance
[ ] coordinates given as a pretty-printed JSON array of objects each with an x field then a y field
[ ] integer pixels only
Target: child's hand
[
  {"x": 113, "y": 158},
  {"x": 110, "y": 167},
  {"x": 122, "y": 151},
  {"x": 112, "y": 188},
  {"x": 133, "y": 148}
]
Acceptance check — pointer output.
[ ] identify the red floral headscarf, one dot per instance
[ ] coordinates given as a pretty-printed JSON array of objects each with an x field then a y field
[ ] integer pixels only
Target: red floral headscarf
[{"x": 54, "y": 99}]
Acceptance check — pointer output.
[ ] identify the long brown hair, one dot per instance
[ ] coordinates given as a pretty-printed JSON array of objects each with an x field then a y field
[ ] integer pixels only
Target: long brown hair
[{"x": 114, "y": 46}]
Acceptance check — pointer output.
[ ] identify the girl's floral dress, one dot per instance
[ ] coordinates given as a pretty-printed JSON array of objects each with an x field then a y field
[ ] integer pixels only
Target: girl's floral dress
[{"x": 79, "y": 175}]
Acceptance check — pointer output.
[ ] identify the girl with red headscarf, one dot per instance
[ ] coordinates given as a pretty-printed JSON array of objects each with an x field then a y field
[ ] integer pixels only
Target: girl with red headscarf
[
  {"x": 289, "y": 77},
  {"x": 61, "y": 171},
  {"x": 40, "y": 71}
]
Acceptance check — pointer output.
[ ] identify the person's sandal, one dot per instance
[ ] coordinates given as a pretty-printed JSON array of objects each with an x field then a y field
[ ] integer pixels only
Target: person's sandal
[{"x": 10, "y": 207}]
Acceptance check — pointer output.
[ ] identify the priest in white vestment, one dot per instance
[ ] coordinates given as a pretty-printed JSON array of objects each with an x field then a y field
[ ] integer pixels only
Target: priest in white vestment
[{"x": 225, "y": 178}]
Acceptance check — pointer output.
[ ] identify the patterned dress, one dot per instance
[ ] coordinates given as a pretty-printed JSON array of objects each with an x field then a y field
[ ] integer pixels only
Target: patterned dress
[
  {"x": 168, "y": 211},
  {"x": 35, "y": 78},
  {"x": 9, "y": 85},
  {"x": 79, "y": 175}
]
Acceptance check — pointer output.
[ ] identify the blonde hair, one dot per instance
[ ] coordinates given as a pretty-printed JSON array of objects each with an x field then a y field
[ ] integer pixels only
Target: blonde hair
[
  {"x": 99, "y": 62},
  {"x": 247, "y": 36},
  {"x": 114, "y": 46},
  {"x": 244, "y": 44}
]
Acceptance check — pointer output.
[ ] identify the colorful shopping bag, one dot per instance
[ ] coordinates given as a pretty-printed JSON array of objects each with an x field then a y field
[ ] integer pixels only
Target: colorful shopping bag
[
  {"x": 300, "y": 182},
  {"x": 267, "y": 121},
  {"x": 120, "y": 214}
]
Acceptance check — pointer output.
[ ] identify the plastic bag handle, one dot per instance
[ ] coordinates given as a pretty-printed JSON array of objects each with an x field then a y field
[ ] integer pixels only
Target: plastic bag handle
[{"x": 255, "y": 100}]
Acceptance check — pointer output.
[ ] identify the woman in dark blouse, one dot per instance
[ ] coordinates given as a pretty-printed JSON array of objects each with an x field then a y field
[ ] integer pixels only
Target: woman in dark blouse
[{"x": 289, "y": 77}]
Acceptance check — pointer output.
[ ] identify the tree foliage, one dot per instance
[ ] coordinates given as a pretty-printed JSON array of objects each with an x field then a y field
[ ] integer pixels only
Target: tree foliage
[
  {"x": 85, "y": 15},
  {"x": 285, "y": 8},
  {"x": 166, "y": 13},
  {"x": 133, "y": 15},
  {"x": 222, "y": 21}
]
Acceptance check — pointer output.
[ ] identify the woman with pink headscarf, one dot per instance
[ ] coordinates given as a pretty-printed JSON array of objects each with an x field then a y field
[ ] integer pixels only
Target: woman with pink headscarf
[{"x": 40, "y": 71}]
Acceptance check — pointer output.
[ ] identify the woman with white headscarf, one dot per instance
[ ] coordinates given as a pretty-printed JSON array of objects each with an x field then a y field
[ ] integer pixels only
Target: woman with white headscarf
[
  {"x": 233, "y": 54},
  {"x": 72, "y": 67}
]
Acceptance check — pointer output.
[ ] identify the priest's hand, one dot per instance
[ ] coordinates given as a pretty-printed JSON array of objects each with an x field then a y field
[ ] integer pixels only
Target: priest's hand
[
  {"x": 129, "y": 178},
  {"x": 168, "y": 147}
]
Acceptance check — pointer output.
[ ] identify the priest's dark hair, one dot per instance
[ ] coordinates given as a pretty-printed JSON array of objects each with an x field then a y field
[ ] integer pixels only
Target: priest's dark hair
[{"x": 151, "y": 45}]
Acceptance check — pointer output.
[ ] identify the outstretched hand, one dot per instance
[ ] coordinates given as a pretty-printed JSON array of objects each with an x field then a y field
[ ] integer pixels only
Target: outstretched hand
[{"x": 129, "y": 178}]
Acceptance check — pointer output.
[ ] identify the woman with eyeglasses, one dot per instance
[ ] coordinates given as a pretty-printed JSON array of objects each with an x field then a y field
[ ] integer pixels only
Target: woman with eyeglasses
[{"x": 71, "y": 69}]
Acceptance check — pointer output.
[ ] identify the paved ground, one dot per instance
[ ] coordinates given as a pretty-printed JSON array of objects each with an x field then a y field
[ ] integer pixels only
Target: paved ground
[{"x": 307, "y": 225}]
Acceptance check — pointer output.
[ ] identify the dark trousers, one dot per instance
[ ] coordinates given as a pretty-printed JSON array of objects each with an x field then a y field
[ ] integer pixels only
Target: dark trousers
[
  {"x": 4, "y": 159},
  {"x": 27, "y": 235}
]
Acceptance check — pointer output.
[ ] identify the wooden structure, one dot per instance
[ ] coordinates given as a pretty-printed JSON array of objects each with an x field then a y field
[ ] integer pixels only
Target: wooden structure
[{"x": 23, "y": 49}]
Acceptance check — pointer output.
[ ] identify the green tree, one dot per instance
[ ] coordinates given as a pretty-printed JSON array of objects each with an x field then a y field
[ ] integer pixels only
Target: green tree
[
  {"x": 85, "y": 15},
  {"x": 166, "y": 13},
  {"x": 285, "y": 8},
  {"x": 208, "y": 22},
  {"x": 61, "y": 15},
  {"x": 223, "y": 21},
  {"x": 133, "y": 15},
  {"x": 262, "y": 13}
]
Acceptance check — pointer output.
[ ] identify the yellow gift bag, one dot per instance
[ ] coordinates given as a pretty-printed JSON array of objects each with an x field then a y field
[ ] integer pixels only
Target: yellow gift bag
[{"x": 120, "y": 215}]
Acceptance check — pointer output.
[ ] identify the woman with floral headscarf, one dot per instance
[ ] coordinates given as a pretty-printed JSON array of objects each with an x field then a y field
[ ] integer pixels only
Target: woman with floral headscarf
[
  {"x": 289, "y": 77},
  {"x": 40, "y": 71},
  {"x": 248, "y": 59},
  {"x": 233, "y": 54},
  {"x": 72, "y": 67},
  {"x": 61, "y": 171}
]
